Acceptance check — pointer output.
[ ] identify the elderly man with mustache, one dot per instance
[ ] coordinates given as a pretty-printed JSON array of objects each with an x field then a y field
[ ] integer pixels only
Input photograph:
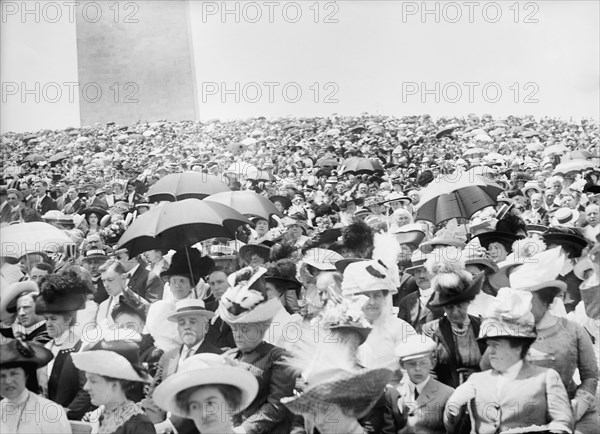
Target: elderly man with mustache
[{"x": 192, "y": 320}]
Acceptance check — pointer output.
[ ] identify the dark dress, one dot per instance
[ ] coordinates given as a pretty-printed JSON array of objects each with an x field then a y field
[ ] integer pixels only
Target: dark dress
[
  {"x": 266, "y": 414},
  {"x": 65, "y": 385},
  {"x": 138, "y": 424},
  {"x": 455, "y": 364}
]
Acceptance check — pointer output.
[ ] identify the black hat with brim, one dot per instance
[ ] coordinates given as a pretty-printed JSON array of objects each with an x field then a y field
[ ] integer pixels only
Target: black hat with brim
[
  {"x": 565, "y": 239},
  {"x": 17, "y": 353},
  {"x": 467, "y": 295},
  {"x": 505, "y": 238}
]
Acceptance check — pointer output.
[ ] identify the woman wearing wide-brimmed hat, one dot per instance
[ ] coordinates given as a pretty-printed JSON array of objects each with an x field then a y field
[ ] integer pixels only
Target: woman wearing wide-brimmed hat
[
  {"x": 111, "y": 369},
  {"x": 61, "y": 296},
  {"x": 521, "y": 394},
  {"x": 458, "y": 353},
  {"x": 332, "y": 378},
  {"x": 571, "y": 242},
  {"x": 376, "y": 280},
  {"x": 246, "y": 307},
  {"x": 208, "y": 389},
  {"x": 21, "y": 410},
  {"x": 561, "y": 344}
]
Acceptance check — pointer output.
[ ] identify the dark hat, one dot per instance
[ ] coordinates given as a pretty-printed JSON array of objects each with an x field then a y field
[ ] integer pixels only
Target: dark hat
[
  {"x": 447, "y": 299},
  {"x": 284, "y": 200},
  {"x": 94, "y": 255},
  {"x": 536, "y": 229},
  {"x": 19, "y": 353},
  {"x": 343, "y": 263},
  {"x": 94, "y": 210},
  {"x": 126, "y": 306},
  {"x": 116, "y": 359},
  {"x": 504, "y": 238},
  {"x": 248, "y": 250},
  {"x": 565, "y": 236},
  {"x": 284, "y": 282},
  {"x": 183, "y": 259},
  {"x": 60, "y": 294}
]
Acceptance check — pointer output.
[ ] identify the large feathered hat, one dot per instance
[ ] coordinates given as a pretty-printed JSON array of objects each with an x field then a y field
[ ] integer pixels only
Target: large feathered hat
[
  {"x": 358, "y": 238},
  {"x": 509, "y": 316},
  {"x": 451, "y": 282},
  {"x": 245, "y": 301},
  {"x": 329, "y": 366},
  {"x": 61, "y": 294}
]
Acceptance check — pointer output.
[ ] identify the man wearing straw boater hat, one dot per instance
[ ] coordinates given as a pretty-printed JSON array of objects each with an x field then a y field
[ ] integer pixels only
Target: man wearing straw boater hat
[
  {"x": 22, "y": 411},
  {"x": 417, "y": 403},
  {"x": 192, "y": 320}
]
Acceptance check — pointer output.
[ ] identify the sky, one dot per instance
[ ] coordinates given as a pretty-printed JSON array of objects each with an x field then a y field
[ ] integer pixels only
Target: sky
[{"x": 347, "y": 57}]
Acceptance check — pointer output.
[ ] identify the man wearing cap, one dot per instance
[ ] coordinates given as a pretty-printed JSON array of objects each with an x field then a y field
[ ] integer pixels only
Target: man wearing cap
[
  {"x": 97, "y": 200},
  {"x": 417, "y": 404},
  {"x": 93, "y": 259},
  {"x": 192, "y": 319},
  {"x": 22, "y": 411},
  {"x": 10, "y": 211}
]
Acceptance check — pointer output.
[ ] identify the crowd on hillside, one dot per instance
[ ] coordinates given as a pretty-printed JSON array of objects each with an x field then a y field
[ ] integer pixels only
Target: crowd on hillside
[{"x": 395, "y": 275}]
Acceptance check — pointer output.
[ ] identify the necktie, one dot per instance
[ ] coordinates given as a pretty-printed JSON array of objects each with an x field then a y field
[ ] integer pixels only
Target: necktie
[
  {"x": 187, "y": 354},
  {"x": 416, "y": 393}
]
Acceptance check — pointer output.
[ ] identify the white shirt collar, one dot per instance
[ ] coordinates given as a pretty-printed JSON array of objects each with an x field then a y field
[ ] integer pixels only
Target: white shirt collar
[
  {"x": 31, "y": 328},
  {"x": 412, "y": 386},
  {"x": 512, "y": 372},
  {"x": 184, "y": 350},
  {"x": 19, "y": 399}
]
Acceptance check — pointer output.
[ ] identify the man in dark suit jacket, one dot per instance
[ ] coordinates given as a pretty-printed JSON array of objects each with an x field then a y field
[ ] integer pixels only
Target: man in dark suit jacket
[
  {"x": 42, "y": 203},
  {"x": 139, "y": 280},
  {"x": 192, "y": 323},
  {"x": 415, "y": 308},
  {"x": 417, "y": 404},
  {"x": 146, "y": 284}
]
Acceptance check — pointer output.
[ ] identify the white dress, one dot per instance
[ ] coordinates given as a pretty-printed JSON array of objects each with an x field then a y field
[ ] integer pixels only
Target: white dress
[{"x": 32, "y": 414}]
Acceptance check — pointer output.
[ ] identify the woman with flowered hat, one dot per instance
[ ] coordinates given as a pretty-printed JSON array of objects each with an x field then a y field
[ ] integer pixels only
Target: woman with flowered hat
[
  {"x": 208, "y": 389},
  {"x": 514, "y": 394},
  {"x": 333, "y": 381},
  {"x": 21, "y": 410},
  {"x": 377, "y": 281},
  {"x": 112, "y": 369},
  {"x": 246, "y": 307}
]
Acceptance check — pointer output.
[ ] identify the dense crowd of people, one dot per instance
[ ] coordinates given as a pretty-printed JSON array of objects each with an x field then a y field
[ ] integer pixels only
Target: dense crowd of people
[{"x": 405, "y": 275}]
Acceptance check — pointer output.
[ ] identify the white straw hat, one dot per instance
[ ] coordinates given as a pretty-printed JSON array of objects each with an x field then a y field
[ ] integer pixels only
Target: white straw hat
[
  {"x": 115, "y": 359},
  {"x": 201, "y": 370}
]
